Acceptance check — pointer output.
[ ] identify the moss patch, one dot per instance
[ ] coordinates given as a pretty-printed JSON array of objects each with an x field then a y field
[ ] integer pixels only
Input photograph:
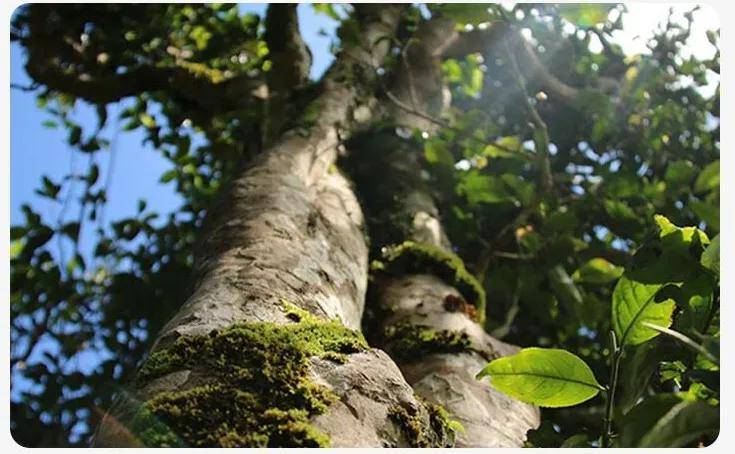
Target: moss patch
[
  {"x": 413, "y": 257},
  {"x": 407, "y": 342},
  {"x": 439, "y": 431},
  {"x": 259, "y": 394}
]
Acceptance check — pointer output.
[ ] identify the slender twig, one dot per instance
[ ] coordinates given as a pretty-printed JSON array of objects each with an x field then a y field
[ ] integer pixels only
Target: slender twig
[
  {"x": 616, "y": 355},
  {"x": 683, "y": 339},
  {"x": 110, "y": 171},
  {"x": 31, "y": 87},
  {"x": 542, "y": 137}
]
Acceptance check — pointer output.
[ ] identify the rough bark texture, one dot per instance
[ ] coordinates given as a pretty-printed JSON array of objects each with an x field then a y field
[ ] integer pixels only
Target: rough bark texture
[
  {"x": 288, "y": 233},
  {"x": 423, "y": 321},
  {"x": 426, "y": 324}
]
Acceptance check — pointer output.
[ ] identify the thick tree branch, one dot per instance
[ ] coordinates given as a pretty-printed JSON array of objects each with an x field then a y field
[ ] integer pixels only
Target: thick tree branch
[
  {"x": 291, "y": 61},
  {"x": 64, "y": 67}
]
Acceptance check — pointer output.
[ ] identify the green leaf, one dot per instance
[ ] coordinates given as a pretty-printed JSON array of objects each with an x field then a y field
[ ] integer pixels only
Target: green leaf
[
  {"x": 633, "y": 303},
  {"x": 585, "y": 15},
  {"x": 597, "y": 271},
  {"x": 50, "y": 189},
  {"x": 147, "y": 120},
  {"x": 49, "y": 124},
  {"x": 623, "y": 218},
  {"x": 480, "y": 188},
  {"x": 75, "y": 135},
  {"x": 696, "y": 297},
  {"x": 711, "y": 256},
  {"x": 546, "y": 377},
  {"x": 452, "y": 70},
  {"x": 168, "y": 175},
  {"x": 201, "y": 37},
  {"x": 16, "y": 247},
  {"x": 709, "y": 178},
  {"x": 669, "y": 421}
]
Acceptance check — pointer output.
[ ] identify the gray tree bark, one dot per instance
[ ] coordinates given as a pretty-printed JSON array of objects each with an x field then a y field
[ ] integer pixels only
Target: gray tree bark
[
  {"x": 413, "y": 305},
  {"x": 286, "y": 248}
]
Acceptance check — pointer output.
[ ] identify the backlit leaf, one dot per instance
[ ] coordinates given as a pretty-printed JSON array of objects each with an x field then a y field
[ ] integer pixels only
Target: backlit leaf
[
  {"x": 546, "y": 377},
  {"x": 633, "y": 303}
]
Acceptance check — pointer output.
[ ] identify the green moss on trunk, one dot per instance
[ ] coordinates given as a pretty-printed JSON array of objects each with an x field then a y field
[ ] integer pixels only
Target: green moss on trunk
[
  {"x": 259, "y": 393},
  {"x": 413, "y": 257},
  {"x": 407, "y": 342},
  {"x": 439, "y": 431}
]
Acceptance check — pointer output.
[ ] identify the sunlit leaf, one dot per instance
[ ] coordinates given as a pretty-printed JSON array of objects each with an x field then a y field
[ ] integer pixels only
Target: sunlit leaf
[
  {"x": 545, "y": 377},
  {"x": 633, "y": 303}
]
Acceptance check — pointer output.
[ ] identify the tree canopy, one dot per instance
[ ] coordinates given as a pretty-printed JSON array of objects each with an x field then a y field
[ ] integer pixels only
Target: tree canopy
[{"x": 579, "y": 185}]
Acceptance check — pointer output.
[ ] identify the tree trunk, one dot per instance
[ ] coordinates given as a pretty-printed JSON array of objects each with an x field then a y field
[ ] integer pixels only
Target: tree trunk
[
  {"x": 423, "y": 320},
  {"x": 267, "y": 351}
]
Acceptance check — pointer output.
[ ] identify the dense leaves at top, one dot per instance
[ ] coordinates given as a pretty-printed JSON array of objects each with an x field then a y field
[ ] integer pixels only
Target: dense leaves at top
[{"x": 546, "y": 197}]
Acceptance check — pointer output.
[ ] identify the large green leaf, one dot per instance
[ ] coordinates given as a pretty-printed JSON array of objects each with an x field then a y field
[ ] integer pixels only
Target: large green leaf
[
  {"x": 479, "y": 188},
  {"x": 597, "y": 271},
  {"x": 633, "y": 303},
  {"x": 546, "y": 377},
  {"x": 669, "y": 421}
]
